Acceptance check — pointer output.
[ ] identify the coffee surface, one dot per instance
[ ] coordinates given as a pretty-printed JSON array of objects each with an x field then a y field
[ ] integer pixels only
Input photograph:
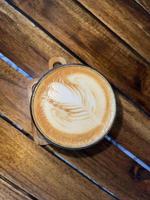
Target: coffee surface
[{"x": 73, "y": 106}]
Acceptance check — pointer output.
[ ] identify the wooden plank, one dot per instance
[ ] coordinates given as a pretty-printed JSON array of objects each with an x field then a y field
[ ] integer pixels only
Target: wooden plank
[
  {"x": 125, "y": 18},
  {"x": 38, "y": 172},
  {"x": 131, "y": 128},
  {"x": 145, "y": 4},
  {"x": 95, "y": 44},
  {"x": 7, "y": 192}
]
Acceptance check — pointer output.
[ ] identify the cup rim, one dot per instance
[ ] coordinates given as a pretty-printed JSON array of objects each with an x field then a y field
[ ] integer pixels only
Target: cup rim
[{"x": 37, "y": 126}]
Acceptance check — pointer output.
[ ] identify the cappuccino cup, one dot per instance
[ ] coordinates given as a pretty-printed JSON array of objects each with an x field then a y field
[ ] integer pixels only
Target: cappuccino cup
[{"x": 72, "y": 105}]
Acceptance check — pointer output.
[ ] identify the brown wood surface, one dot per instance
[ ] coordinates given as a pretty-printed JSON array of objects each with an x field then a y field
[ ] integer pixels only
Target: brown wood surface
[
  {"x": 127, "y": 111},
  {"x": 7, "y": 192},
  {"x": 38, "y": 172},
  {"x": 95, "y": 44},
  {"x": 145, "y": 4},
  {"x": 13, "y": 33},
  {"x": 14, "y": 104},
  {"x": 125, "y": 18},
  {"x": 95, "y": 161}
]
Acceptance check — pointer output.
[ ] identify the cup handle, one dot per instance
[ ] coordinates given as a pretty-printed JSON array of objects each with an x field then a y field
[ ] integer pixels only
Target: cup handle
[{"x": 53, "y": 62}]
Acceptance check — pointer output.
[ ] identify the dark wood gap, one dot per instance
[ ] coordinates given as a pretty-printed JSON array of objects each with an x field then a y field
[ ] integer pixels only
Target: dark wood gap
[
  {"x": 82, "y": 173},
  {"x": 10, "y": 2},
  {"x": 111, "y": 31},
  {"x": 16, "y": 126},
  {"x": 50, "y": 150},
  {"x": 63, "y": 45},
  {"x": 16, "y": 187},
  {"x": 143, "y": 6}
]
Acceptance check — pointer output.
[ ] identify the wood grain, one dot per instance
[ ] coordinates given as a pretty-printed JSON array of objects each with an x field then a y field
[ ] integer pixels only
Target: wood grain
[
  {"x": 17, "y": 33},
  {"x": 94, "y": 43},
  {"x": 145, "y": 4},
  {"x": 132, "y": 114},
  {"x": 38, "y": 172},
  {"x": 7, "y": 192},
  {"x": 128, "y": 128},
  {"x": 125, "y": 18}
]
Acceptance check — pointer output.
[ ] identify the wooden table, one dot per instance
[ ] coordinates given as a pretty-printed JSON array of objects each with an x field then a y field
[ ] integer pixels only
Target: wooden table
[{"x": 112, "y": 36}]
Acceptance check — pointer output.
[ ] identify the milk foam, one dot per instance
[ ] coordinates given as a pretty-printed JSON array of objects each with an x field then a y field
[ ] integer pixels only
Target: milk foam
[{"x": 74, "y": 106}]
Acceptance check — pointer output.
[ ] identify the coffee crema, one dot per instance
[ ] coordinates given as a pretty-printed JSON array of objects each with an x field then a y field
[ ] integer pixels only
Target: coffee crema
[{"x": 73, "y": 106}]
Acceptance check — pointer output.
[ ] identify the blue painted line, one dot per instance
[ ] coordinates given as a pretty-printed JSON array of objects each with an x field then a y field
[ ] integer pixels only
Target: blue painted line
[
  {"x": 14, "y": 66},
  {"x": 128, "y": 153}
]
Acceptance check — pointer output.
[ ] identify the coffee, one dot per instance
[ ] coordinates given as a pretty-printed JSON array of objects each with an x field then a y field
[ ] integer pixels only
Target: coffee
[{"x": 73, "y": 106}]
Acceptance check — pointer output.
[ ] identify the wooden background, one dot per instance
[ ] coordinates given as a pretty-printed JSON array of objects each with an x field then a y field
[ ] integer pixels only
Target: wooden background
[{"x": 112, "y": 36}]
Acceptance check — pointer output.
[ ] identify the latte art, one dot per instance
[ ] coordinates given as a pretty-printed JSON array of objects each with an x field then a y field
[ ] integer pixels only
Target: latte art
[{"x": 73, "y": 106}]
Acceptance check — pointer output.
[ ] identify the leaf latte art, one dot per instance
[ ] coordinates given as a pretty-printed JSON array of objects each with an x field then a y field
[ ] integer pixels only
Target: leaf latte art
[{"x": 73, "y": 106}]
